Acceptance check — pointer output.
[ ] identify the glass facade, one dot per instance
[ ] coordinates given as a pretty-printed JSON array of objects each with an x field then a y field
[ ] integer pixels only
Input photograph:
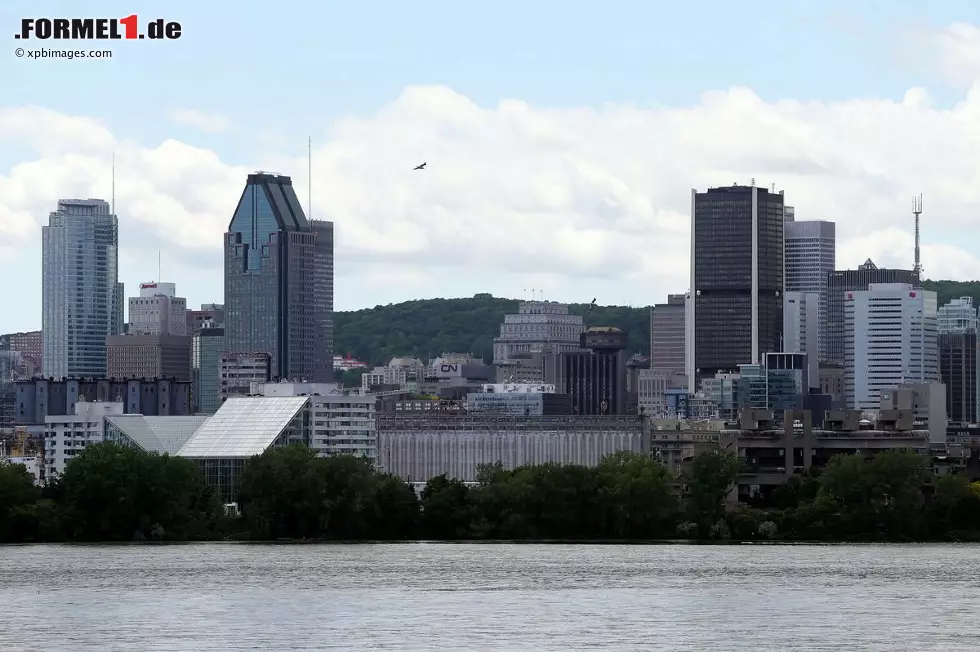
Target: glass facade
[
  {"x": 279, "y": 281},
  {"x": 726, "y": 221},
  {"x": 206, "y": 348},
  {"x": 82, "y": 300}
]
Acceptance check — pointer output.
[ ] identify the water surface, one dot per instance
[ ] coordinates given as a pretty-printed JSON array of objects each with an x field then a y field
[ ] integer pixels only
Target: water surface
[{"x": 408, "y": 597}]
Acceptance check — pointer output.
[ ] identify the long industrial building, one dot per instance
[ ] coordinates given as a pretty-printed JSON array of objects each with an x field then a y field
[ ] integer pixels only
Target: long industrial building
[{"x": 417, "y": 447}]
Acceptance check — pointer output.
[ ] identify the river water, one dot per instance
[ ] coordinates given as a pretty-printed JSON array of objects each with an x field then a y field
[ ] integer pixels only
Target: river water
[{"x": 184, "y": 598}]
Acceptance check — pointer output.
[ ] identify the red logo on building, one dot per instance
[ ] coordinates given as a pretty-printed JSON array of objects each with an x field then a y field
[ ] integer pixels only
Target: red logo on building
[
  {"x": 850, "y": 295},
  {"x": 912, "y": 294}
]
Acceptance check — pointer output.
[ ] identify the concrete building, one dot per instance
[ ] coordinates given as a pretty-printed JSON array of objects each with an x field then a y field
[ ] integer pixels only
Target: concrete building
[
  {"x": 237, "y": 372},
  {"x": 29, "y": 347},
  {"x": 839, "y": 284},
  {"x": 211, "y": 314},
  {"x": 81, "y": 297},
  {"x": 801, "y": 330},
  {"x": 832, "y": 383},
  {"x": 537, "y": 330},
  {"x": 157, "y": 311},
  {"x": 892, "y": 340},
  {"x": 400, "y": 373},
  {"x": 809, "y": 257},
  {"x": 453, "y": 375},
  {"x": 520, "y": 399},
  {"x": 418, "y": 446},
  {"x": 207, "y": 343},
  {"x": 667, "y": 335},
  {"x": 40, "y": 398},
  {"x": 149, "y": 356},
  {"x": 736, "y": 278},
  {"x": 66, "y": 436},
  {"x": 925, "y": 401},
  {"x": 279, "y": 281}
]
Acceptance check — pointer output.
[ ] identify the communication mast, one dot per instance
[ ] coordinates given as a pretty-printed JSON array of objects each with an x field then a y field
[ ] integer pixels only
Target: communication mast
[{"x": 917, "y": 211}]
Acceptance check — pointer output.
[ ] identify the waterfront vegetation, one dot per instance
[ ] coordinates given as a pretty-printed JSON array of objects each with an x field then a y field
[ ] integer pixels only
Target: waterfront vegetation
[{"x": 112, "y": 493}]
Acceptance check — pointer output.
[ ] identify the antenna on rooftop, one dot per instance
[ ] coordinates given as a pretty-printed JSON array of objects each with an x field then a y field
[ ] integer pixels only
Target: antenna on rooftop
[
  {"x": 917, "y": 211},
  {"x": 309, "y": 173},
  {"x": 159, "y": 265},
  {"x": 112, "y": 209}
]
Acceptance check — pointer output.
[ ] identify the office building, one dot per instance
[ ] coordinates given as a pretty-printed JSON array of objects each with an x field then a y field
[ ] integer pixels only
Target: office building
[
  {"x": 28, "y": 348},
  {"x": 207, "y": 343},
  {"x": 149, "y": 356},
  {"x": 519, "y": 398},
  {"x": 667, "y": 334},
  {"x": 81, "y": 297},
  {"x": 279, "y": 281},
  {"x": 40, "y": 398},
  {"x": 595, "y": 379},
  {"x": 809, "y": 256},
  {"x": 210, "y": 314},
  {"x": 157, "y": 311},
  {"x": 237, "y": 372},
  {"x": 891, "y": 340},
  {"x": 841, "y": 282},
  {"x": 801, "y": 330},
  {"x": 529, "y": 339},
  {"x": 959, "y": 362},
  {"x": 736, "y": 278}
]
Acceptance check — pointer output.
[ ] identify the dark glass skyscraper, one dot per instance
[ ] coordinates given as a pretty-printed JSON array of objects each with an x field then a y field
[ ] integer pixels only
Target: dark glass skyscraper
[
  {"x": 736, "y": 278},
  {"x": 279, "y": 281}
]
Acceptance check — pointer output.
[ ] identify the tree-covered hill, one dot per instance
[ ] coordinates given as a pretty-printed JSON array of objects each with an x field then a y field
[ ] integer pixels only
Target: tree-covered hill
[
  {"x": 946, "y": 290},
  {"x": 429, "y": 327}
]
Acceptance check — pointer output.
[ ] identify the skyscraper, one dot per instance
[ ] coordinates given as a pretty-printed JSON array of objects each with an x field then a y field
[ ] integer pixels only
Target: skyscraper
[
  {"x": 839, "y": 283},
  {"x": 891, "y": 340},
  {"x": 736, "y": 278},
  {"x": 667, "y": 334},
  {"x": 157, "y": 311},
  {"x": 809, "y": 257},
  {"x": 81, "y": 297},
  {"x": 959, "y": 359},
  {"x": 279, "y": 281}
]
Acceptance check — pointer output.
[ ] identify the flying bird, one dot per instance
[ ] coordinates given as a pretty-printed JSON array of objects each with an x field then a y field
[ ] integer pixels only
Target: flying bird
[{"x": 419, "y": 167}]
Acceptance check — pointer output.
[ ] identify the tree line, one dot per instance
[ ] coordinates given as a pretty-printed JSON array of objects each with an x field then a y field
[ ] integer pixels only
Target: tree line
[{"x": 115, "y": 493}]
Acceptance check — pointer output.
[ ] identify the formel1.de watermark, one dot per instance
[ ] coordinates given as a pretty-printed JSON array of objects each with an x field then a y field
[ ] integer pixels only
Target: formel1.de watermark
[{"x": 101, "y": 29}]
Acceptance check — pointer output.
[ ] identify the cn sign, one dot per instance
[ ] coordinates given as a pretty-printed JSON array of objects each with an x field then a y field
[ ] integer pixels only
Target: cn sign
[{"x": 449, "y": 369}]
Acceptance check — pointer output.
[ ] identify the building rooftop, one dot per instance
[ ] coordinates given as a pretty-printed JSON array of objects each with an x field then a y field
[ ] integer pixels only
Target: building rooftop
[
  {"x": 158, "y": 434},
  {"x": 243, "y": 427}
]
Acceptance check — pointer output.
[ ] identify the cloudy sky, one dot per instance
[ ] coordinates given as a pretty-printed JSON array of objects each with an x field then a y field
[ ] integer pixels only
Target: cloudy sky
[{"x": 562, "y": 138}]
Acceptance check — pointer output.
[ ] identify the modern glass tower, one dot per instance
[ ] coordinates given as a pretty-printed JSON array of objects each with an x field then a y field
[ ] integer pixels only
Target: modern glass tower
[
  {"x": 736, "y": 279},
  {"x": 809, "y": 257},
  {"x": 81, "y": 297},
  {"x": 279, "y": 281}
]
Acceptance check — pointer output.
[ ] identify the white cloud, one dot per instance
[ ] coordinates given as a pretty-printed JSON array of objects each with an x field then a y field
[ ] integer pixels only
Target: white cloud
[
  {"x": 210, "y": 122},
  {"x": 576, "y": 202},
  {"x": 957, "y": 47}
]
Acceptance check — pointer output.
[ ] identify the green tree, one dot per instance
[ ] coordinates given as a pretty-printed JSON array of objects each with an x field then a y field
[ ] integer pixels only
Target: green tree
[
  {"x": 18, "y": 504},
  {"x": 117, "y": 493},
  {"x": 709, "y": 479},
  {"x": 447, "y": 509},
  {"x": 636, "y": 494},
  {"x": 283, "y": 494}
]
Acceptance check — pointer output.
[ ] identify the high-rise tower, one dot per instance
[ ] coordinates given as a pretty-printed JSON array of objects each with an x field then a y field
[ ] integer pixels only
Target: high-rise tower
[
  {"x": 279, "y": 281},
  {"x": 81, "y": 297},
  {"x": 736, "y": 278},
  {"x": 809, "y": 256}
]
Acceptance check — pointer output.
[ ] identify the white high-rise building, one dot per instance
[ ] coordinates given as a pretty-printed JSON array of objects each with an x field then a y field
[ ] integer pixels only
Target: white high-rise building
[
  {"x": 809, "y": 256},
  {"x": 801, "y": 330},
  {"x": 890, "y": 340},
  {"x": 157, "y": 311},
  {"x": 81, "y": 297}
]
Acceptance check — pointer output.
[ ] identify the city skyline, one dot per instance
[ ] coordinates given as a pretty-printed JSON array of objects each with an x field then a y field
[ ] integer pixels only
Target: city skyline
[{"x": 567, "y": 192}]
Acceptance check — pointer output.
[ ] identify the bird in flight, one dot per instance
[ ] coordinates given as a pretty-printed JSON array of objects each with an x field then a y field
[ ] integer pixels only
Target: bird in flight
[{"x": 419, "y": 167}]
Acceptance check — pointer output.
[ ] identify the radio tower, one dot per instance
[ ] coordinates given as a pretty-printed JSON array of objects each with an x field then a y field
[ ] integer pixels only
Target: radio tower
[{"x": 917, "y": 211}]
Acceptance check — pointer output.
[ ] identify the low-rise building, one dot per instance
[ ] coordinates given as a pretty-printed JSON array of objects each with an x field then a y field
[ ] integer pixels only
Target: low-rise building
[
  {"x": 237, "y": 372},
  {"x": 66, "y": 436}
]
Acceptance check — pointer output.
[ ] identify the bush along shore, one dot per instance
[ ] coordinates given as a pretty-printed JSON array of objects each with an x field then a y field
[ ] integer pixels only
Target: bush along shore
[{"x": 111, "y": 493}]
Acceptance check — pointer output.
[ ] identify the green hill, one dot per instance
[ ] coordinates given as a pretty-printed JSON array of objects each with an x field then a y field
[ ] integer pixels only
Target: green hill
[
  {"x": 946, "y": 290},
  {"x": 429, "y": 327}
]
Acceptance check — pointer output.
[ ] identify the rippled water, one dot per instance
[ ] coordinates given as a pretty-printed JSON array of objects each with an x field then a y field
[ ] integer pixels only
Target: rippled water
[{"x": 489, "y": 597}]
